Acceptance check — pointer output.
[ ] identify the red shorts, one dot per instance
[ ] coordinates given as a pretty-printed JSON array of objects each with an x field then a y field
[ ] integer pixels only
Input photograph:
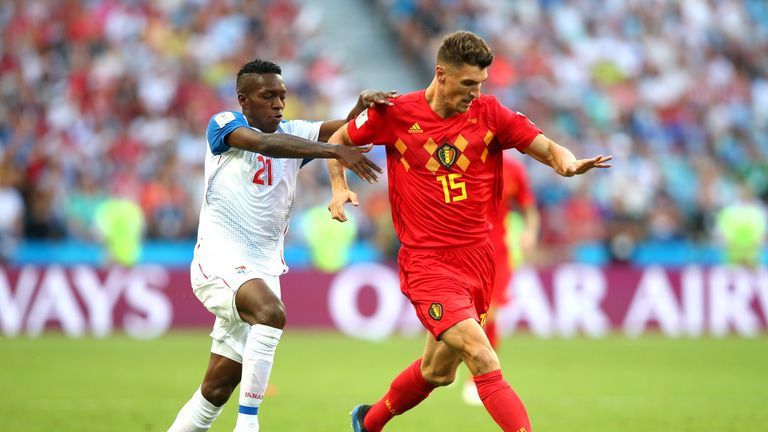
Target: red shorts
[{"x": 447, "y": 286}]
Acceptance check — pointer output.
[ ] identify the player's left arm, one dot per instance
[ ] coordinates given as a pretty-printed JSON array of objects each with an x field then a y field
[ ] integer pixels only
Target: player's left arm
[
  {"x": 561, "y": 159},
  {"x": 367, "y": 99}
]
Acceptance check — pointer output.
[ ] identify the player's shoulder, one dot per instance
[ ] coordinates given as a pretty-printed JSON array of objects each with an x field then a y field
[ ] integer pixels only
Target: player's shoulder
[
  {"x": 405, "y": 102},
  {"x": 410, "y": 97},
  {"x": 303, "y": 128},
  {"x": 486, "y": 101},
  {"x": 290, "y": 123},
  {"x": 223, "y": 118},
  {"x": 489, "y": 105}
]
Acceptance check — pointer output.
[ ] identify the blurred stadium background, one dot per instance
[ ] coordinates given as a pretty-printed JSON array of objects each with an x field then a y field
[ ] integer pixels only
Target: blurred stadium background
[{"x": 103, "y": 105}]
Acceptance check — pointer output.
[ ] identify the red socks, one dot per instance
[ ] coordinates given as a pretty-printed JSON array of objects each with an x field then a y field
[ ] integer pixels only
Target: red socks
[
  {"x": 409, "y": 388},
  {"x": 405, "y": 392},
  {"x": 502, "y": 403}
]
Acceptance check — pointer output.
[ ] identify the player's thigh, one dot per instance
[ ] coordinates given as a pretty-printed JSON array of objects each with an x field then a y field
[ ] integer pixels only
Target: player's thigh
[
  {"x": 468, "y": 340},
  {"x": 218, "y": 290},
  {"x": 215, "y": 293}
]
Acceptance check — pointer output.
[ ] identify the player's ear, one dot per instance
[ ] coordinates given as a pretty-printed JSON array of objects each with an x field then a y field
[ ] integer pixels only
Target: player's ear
[
  {"x": 242, "y": 100},
  {"x": 440, "y": 73}
]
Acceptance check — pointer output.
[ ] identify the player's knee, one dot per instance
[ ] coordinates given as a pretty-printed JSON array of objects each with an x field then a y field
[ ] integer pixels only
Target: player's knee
[
  {"x": 217, "y": 394},
  {"x": 438, "y": 375},
  {"x": 481, "y": 360},
  {"x": 270, "y": 314},
  {"x": 439, "y": 379}
]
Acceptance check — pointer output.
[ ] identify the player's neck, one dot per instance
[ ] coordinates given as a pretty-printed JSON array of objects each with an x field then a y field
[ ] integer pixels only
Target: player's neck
[
  {"x": 254, "y": 124},
  {"x": 432, "y": 94}
]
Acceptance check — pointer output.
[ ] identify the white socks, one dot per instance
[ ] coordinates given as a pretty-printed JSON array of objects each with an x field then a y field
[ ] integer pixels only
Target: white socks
[
  {"x": 258, "y": 356},
  {"x": 196, "y": 415}
]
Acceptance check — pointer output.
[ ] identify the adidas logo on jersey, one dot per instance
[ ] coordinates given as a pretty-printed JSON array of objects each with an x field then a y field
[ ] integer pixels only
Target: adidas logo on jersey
[{"x": 415, "y": 129}]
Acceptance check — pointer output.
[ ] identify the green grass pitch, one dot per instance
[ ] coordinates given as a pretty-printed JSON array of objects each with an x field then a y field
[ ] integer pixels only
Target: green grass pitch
[{"x": 613, "y": 384}]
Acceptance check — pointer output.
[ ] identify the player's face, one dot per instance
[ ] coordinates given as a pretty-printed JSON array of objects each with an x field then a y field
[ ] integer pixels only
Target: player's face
[
  {"x": 263, "y": 104},
  {"x": 461, "y": 85}
]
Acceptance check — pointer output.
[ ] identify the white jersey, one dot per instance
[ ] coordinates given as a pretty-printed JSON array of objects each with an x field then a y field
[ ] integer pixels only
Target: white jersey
[{"x": 248, "y": 199}]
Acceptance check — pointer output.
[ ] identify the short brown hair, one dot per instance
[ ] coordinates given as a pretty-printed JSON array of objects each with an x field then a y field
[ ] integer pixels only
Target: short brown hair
[{"x": 463, "y": 47}]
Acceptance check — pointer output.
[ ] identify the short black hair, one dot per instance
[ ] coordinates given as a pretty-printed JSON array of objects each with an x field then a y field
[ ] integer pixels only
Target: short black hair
[
  {"x": 255, "y": 67},
  {"x": 259, "y": 66}
]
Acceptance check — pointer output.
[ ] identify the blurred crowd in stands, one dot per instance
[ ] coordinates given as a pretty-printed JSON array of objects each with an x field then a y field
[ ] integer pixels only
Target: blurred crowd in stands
[
  {"x": 108, "y": 100},
  {"x": 677, "y": 91},
  {"x": 104, "y": 100}
]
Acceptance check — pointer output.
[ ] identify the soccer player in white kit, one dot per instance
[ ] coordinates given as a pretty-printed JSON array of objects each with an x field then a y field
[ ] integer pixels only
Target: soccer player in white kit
[{"x": 252, "y": 160}]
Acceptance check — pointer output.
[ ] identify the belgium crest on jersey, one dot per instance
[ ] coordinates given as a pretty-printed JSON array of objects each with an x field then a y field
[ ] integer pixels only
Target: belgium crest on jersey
[
  {"x": 447, "y": 155},
  {"x": 436, "y": 311}
]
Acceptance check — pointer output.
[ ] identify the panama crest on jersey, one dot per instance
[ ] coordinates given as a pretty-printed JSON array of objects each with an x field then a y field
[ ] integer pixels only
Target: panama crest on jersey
[
  {"x": 447, "y": 155},
  {"x": 241, "y": 269}
]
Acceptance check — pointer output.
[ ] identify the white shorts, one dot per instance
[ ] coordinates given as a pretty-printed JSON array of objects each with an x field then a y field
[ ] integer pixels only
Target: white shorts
[{"x": 216, "y": 289}]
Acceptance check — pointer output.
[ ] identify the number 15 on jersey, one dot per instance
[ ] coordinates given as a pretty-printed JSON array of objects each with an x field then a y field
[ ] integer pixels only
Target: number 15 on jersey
[{"x": 449, "y": 184}]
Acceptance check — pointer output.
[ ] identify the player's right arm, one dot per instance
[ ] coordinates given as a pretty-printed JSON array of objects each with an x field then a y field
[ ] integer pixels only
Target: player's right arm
[
  {"x": 340, "y": 192},
  {"x": 366, "y": 128},
  {"x": 229, "y": 129}
]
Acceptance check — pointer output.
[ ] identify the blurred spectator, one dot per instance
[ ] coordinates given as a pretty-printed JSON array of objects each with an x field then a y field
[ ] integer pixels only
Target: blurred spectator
[
  {"x": 120, "y": 224},
  {"x": 12, "y": 205},
  {"x": 81, "y": 205},
  {"x": 116, "y": 92},
  {"x": 329, "y": 240},
  {"x": 742, "y": 227},
  {"x": 376, "y": 226}
]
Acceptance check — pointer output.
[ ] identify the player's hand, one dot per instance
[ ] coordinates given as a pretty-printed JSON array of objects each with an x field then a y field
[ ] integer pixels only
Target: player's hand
[
  {"x": 581, "y": 166},
  {"x": 354, "y": 159},
  {"x": 336, "y": 206},
  {"x": 369, "y": 98}
]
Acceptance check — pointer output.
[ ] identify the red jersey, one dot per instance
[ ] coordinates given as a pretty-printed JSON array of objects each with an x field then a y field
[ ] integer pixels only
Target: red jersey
[
  {"x": 444, "y": 174},
  {"x": 516, "y": 190}
]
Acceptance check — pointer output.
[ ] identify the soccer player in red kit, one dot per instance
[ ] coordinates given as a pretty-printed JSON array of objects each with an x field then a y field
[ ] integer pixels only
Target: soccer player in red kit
[
  {"x": 516, "y": 196},
  {"x": 444, "y": 148}
]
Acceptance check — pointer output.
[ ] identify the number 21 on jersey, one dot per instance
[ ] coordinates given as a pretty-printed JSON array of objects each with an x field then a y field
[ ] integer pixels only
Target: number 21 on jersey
[
  {"x": 449, "y": 183},
  {"x": 263, "y": 174}
]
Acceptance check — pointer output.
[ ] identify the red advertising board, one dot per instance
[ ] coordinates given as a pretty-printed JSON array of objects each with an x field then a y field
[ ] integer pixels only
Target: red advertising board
[{"x": 364, "y": 301}]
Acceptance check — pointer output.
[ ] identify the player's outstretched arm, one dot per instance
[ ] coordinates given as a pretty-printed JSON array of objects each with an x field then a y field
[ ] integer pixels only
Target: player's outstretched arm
[
  {"x": 561, "y": 159},
  {"x": 340, "y": 192},
  {"x": 289, "y": 146},
  {"x": 367, "y": 99}
]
